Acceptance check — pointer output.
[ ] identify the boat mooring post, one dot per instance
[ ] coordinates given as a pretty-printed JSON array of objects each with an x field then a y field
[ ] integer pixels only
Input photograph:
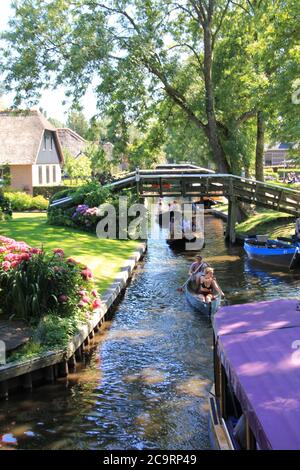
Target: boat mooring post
[{"x": 231, "y": 221}]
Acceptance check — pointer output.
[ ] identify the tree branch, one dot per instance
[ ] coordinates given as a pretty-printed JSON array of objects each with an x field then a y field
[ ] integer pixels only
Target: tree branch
[
  {"x": 175, "y": 95},
  {"x": 241, "y": 6},
  {"x": 200, "y": 63},
  {"x": 245, "y": 116},
  {"x": 214, "y": 36}
]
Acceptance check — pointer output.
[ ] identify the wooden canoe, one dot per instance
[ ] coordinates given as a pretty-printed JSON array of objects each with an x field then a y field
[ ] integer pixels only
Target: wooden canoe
[{"x": 208, "y": 309}]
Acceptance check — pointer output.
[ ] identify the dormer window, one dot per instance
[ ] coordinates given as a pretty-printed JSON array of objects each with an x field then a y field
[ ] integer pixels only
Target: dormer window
[{"x": 45, "y": 141}]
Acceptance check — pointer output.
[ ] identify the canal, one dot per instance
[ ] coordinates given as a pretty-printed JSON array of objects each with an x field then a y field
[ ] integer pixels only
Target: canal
[{"x": 146, "y": 380}]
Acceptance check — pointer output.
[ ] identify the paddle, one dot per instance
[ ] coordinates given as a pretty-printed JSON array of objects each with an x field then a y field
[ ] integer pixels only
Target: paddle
[{"x": 180, "y": 289}]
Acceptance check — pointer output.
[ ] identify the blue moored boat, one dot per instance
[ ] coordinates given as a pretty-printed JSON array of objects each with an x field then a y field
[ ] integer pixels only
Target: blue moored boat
[{"x": 273, "y": 252}]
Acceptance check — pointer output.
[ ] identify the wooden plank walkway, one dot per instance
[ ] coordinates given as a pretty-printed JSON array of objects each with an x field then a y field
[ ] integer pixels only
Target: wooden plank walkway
[
  {"x": 14, "y": 334},
  {"x": 191, "y": 183}
]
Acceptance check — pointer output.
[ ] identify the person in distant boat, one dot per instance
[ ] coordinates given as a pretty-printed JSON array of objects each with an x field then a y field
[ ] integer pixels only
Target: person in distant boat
[
  {"x": 197, "y": 270},
  {"x": 208, "y": 286},
  {"x": 297, "y": 230}
]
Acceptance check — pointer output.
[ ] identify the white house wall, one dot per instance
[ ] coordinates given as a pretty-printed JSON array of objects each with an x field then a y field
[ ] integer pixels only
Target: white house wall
[{"x": 36, "y": 175}]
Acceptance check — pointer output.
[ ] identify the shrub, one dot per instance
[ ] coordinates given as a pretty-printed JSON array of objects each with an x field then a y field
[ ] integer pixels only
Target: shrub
[
  {"x": 21, "y": 201},
  {"x": 5, "y": 207},
  {"x": 34, "y": 284},
  {"x": 49, "y": 191},
  {"x": 81, "y": 211}
]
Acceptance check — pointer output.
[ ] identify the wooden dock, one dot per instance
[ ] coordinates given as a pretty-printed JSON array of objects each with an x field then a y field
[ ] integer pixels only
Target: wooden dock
[{"x": 14, "y": 334}]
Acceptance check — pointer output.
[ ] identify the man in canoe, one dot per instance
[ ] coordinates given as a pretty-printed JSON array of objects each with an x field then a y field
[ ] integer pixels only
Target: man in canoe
[
  {"x": 197, "y": 270},
  {"x": 209, "y": 288}
]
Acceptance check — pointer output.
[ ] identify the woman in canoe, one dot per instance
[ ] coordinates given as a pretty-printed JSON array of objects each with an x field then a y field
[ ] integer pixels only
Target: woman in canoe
[{"x": 209, "y": 288}]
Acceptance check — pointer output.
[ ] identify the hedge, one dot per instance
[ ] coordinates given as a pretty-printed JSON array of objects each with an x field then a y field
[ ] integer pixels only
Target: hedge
[
  {"x": 49, "y": 191},
  {"x": 21, "y": 201}
]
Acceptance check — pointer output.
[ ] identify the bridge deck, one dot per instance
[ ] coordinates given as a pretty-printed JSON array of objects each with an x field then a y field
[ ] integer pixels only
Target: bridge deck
[{"x": 191, "y": 183}]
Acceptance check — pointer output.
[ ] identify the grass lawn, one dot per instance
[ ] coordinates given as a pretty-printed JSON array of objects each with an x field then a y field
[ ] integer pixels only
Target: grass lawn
[
  {"x": 268, "y": 222},
  {"x": 104, "y": 257}
]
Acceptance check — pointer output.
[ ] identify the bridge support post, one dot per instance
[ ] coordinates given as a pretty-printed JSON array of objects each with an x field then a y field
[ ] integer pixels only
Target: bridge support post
[{"x": 231, "y": 221}]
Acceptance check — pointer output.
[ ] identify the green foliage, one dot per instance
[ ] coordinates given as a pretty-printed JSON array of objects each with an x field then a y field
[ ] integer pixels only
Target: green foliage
[
  {"x": 5, "y": 207},
  {"x": 33, "y": 288},
  {"x": 54, "y": 331},
  {"x": 49, "y": 191},
  {"x": 78, "y": 123},
  {"x": 77, "y": 168},
  {"x": 203, "y": 67},
  {"x": 6, "y": 176},
  {"x": 23, "y": 202}
]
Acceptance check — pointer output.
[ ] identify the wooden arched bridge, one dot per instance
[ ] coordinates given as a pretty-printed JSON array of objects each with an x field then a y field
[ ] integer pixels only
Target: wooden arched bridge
[
  {"x": 198, "y": 182},
  {"x": 194, "y": 182}
]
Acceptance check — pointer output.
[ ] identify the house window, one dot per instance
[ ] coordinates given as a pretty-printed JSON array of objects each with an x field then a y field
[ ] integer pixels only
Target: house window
[
  {"x": 45, "y": 141},
  {"x": 40, "y": 175},
  {"x": 54, "y": 173},
  {"x": 47, "y": 174},
  {"x": 51, "y": 142}
]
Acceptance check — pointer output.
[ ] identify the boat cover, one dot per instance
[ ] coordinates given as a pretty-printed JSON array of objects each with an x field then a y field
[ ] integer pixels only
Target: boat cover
[{"x": 259, "y": 346}]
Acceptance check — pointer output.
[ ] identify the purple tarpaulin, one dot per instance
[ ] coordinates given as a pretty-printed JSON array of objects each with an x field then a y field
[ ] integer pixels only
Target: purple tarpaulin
[
  {"x": 259, "y": 346},
  {"x": 271, "y": 314}
]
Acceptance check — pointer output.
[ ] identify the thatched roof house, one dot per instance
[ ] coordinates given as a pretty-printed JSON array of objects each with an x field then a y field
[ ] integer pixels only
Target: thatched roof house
[
  {"x": 29, "y": 144},
  {"x": 71, "y": 141}
]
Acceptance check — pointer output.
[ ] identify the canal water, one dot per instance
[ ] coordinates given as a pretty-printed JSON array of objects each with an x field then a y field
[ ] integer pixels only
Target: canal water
[{"x": 146, "y": 381}]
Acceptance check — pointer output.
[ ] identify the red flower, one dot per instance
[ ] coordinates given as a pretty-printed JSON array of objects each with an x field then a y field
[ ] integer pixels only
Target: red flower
[
  {"x": 96, "y": 304},
  {"x": 72, "y": 261},
  {"x": 6, "y": 265},
  {"x": 36, "y": 251},
  {"x": 94, "y": 293},
  {"x": 59, "y": 252},
  {"x": 87, "y": 273}
]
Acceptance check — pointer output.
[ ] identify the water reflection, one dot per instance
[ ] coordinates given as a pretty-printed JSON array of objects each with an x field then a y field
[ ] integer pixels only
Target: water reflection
[{"x": 146, "y": 380}]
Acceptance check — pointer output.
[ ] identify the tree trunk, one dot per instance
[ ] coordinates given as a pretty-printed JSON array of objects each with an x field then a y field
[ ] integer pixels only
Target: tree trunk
[
  {"x": 260, "y": 145},
  {"x": 212, "y": 126}
]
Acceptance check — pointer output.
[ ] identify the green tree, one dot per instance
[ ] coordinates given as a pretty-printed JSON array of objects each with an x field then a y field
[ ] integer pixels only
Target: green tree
[
  {"x": 145, "y": 52},
  {"x": 78, "y": 123},
  {"x": 77, "y": 168}
]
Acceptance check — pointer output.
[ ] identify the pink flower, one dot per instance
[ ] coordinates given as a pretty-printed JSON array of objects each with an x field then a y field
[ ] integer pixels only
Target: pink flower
[
  {"x": 96, "y": 304},
  {"x": 36, "y": 251},
  {"x": 25, "y": 256},
  {"x": 85, "y": 299},
  {"x": 6, "y": 265},
  {"x": 2, "y": 249},
  {"x": 63, "y": 298},
  {"x": 82, "y": 304},
  {"x": 94, "y": 293},
  {"x": 87, "y": 273},
  {"x": 15, "y": 263},
  {"x": 59, "y": 252},
  {"x": 82, "y": 293},
  {"x": 72, "y": 261}
]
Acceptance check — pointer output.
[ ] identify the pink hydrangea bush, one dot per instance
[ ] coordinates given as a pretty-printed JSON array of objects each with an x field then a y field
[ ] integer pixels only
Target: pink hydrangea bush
[{"x": 34, "y": 283}]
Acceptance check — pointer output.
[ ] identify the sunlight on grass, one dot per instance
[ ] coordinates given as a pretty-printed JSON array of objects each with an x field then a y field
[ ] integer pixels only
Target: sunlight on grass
[
  {"x": 104, "y": 257},
  {"x": 268, "y": 222}
]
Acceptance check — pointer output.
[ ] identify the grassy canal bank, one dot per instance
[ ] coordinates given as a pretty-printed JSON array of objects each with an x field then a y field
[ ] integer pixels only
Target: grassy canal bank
[
  {"x": 60, "y": 326},
  {"x": 104, "y": 257},
  {"x": 264, "y": 222}
]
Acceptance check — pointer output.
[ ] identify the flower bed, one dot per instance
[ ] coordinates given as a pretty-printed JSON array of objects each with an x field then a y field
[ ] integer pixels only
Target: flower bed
[{"x": 49, "y": 291}]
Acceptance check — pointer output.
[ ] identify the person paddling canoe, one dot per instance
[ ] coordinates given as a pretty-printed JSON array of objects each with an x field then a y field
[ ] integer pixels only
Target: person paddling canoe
[{"x": 197, "y": 270}]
